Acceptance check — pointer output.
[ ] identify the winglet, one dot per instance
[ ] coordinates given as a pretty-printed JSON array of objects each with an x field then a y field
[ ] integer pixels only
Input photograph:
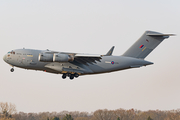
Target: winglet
[{"x": 109, "y": 53}]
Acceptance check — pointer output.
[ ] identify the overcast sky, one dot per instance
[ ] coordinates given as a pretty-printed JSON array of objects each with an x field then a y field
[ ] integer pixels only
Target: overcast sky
[{"x": 90, "y": 26}]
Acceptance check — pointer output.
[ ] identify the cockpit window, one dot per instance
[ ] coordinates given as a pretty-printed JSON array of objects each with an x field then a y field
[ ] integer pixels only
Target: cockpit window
[{"x": 12, "y": 52}]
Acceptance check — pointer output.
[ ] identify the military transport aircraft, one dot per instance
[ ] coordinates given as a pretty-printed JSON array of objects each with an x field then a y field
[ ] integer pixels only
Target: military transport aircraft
[{"x": 76, "y": 64}]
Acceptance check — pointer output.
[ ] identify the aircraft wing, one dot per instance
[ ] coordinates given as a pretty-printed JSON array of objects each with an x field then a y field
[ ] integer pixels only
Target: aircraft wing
[
  {"x": 109, "y": 53},
  {"x": 81, "y": 58},
  {"x": 52, "y": 52},
  {"x": 87, "y": 58}
]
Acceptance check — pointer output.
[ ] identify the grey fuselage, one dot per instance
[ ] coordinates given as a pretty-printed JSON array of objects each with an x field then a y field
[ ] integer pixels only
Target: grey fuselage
[
  {"x": 29, "y": 59},
  {"x": 75, "y": 64}
]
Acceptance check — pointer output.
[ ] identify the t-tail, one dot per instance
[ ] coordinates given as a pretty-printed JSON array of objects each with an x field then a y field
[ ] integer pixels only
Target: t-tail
[{"x": 146, "y": 44}]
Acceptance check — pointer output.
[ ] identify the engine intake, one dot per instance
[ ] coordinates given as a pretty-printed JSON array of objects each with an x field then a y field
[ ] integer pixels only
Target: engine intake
[{"x": 58, "y": 57}]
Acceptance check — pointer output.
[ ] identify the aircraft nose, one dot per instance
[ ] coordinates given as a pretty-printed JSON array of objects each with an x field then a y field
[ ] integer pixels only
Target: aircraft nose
[{"x": 4, "y": 58}]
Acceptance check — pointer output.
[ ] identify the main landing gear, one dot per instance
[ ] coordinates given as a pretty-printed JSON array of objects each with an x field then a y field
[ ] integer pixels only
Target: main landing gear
[
  {"x": 12, "y": 69},
  {"x": 71, "y": 76}
]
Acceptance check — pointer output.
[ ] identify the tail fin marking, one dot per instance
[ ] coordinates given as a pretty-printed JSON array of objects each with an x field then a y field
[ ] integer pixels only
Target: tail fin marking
[{"x": 146, "y": 44}]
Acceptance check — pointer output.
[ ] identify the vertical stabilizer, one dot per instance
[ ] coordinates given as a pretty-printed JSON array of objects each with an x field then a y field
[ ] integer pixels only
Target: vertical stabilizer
[{"x": 146, "y": 44}]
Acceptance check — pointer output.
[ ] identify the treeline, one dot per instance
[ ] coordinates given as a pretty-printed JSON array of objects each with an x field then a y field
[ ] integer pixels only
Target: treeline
[{"x": 8, "y": 112}]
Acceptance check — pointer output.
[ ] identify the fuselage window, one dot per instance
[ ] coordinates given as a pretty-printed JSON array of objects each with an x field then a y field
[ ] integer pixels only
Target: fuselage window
[{"x": 18, "y": 53}]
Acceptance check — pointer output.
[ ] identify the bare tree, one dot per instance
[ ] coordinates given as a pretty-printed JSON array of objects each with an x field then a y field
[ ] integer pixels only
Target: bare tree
[
  {"x": 7, "y": 119},
  {"x": 104, "y": 115},
  {"x": 7, "y": 109}
]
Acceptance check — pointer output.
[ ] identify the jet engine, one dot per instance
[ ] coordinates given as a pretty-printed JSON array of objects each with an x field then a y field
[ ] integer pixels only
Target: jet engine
[
  {"x": 46, "y": 57},
  {"x": 58, "y": 57}
]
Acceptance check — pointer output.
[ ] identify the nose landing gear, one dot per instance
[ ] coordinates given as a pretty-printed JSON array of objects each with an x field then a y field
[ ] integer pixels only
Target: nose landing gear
[{"x": 12, "y": 69}]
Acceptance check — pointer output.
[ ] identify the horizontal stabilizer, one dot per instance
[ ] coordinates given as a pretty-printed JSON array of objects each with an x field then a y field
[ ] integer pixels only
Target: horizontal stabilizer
[{"x": 158, "y": 34}]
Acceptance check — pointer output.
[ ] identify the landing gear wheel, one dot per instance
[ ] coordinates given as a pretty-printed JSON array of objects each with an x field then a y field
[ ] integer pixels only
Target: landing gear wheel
[
  {"x": 12, "y": 70},
  {"x": 64, "y": 76},
  {"x": 71, "y": 76},
  {"x": 68, "y": 74},
  {"x": 76, "y": 75}
]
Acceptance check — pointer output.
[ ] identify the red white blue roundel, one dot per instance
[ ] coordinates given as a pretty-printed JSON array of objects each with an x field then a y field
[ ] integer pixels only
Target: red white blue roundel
[
  {"x": 112, "y": 62},
  {"x": 141, "y": 46}
]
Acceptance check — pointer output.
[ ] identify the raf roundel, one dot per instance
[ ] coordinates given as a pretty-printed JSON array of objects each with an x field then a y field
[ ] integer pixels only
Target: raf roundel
[
  {"x": 141, "y": 46},
  {"x": 112, "y": 62}
]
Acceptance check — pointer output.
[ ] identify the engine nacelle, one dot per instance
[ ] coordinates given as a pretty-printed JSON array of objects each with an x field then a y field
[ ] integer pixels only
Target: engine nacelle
[
  {"x": 46, "y": 57},
  {"x": 58, "y": 57}
]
